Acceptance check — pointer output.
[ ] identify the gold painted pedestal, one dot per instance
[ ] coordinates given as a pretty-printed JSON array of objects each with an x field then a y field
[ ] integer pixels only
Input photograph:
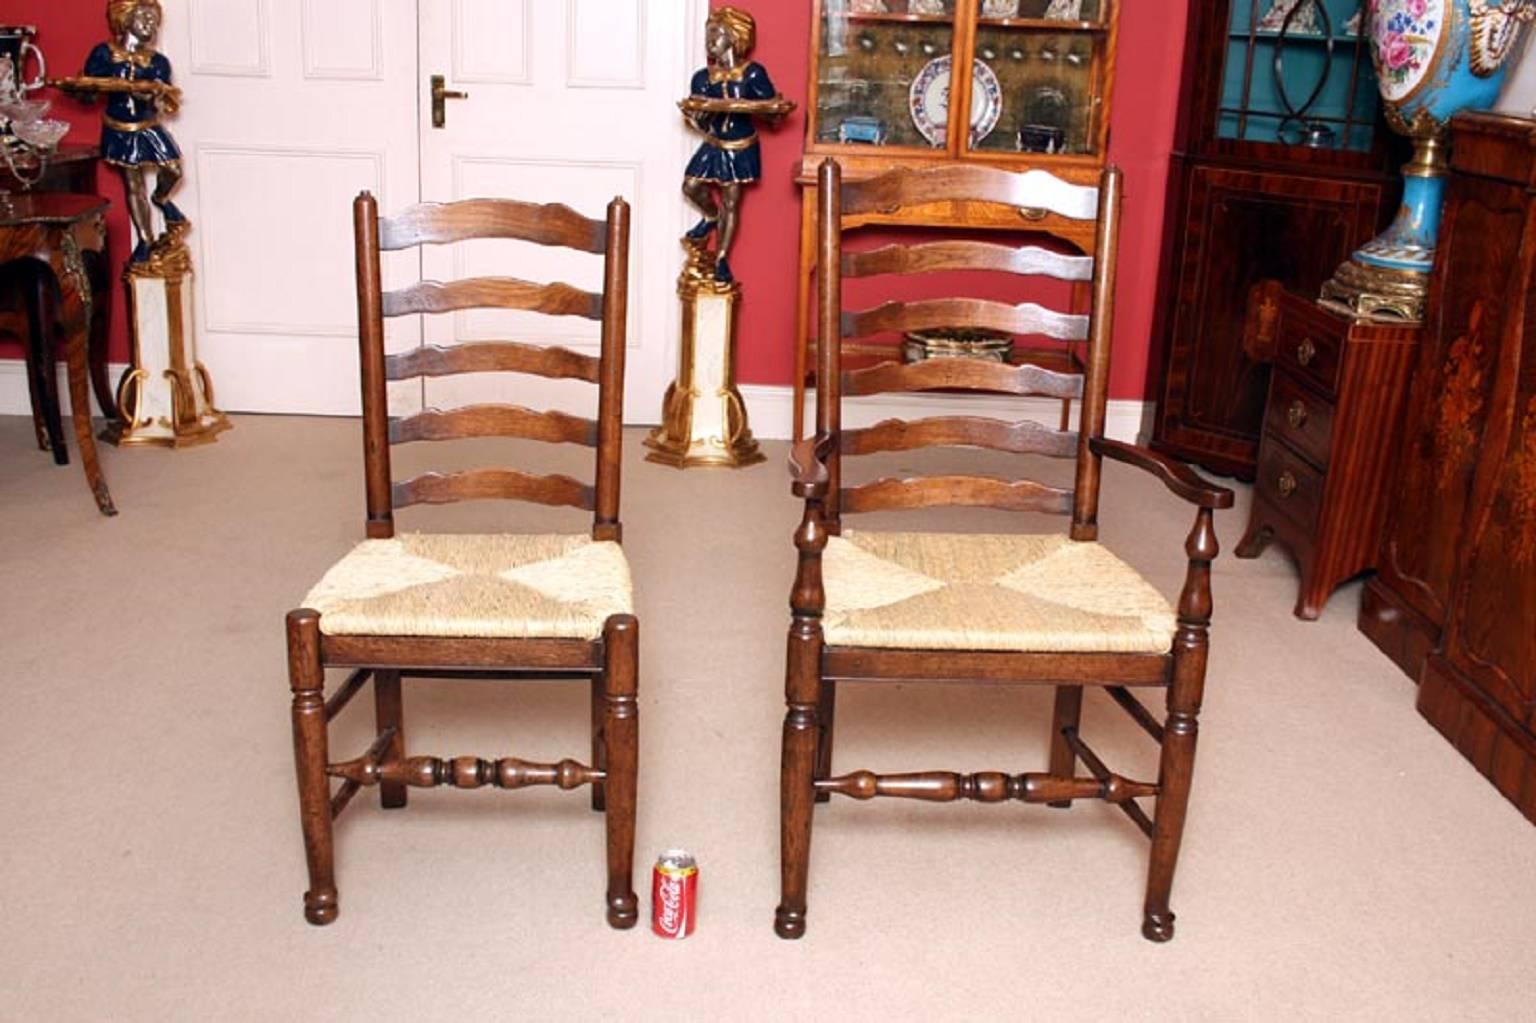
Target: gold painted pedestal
[
  {"x": 704, "y": 420},
  {"x": 166, "y": 397}
]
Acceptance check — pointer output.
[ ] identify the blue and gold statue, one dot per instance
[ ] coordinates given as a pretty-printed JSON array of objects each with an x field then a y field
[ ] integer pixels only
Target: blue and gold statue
[
  {"x": 725, "y": 99},
  {"x": 136, "y": 79}
]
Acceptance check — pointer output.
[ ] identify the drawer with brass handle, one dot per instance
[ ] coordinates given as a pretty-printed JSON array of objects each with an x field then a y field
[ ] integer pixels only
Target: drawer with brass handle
[
  {"x": 1310, "y": 352},
  {"x": 1291, "y": 486},
  {"x": 1300, "y": 418}
]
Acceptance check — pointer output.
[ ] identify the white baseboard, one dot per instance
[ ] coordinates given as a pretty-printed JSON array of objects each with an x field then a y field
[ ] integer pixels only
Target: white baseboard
[
  {"x": 771, "y": 411},
  {"x": 14, "y": 399}
]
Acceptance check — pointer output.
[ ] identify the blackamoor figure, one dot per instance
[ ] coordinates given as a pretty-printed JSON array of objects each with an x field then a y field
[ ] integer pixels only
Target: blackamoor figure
[{"x": 725, "y": 98}]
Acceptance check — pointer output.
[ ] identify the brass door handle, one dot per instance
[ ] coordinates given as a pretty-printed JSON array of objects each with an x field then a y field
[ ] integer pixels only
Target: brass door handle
[
  {"x": 1296, "y": 415},
  {"x": 1306, "y": 352},
  {"x": 1287, "y": 483},
  {"x": 440, "y": 96}
]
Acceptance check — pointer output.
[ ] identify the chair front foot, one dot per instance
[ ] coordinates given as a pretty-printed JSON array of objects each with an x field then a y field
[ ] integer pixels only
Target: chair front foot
[
  {"x": 623, "y": 911},
  {"x": 789, "y": 923},
  {"x": 321, "y": 907},
  {"x": 1158, "y": 927}
]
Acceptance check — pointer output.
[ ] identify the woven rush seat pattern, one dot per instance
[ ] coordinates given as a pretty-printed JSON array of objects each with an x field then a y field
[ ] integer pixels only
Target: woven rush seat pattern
[
  {"x": 547, "y": 586},
  {"x": 948, "y": 591}
]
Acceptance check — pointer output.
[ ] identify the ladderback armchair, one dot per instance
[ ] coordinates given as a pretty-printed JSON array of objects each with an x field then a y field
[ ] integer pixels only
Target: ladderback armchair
[{"x": 1056, "y": 609}]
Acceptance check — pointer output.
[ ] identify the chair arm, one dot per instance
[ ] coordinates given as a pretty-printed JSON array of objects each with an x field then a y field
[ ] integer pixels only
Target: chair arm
[
  {"x": 808, "y": 473},
  {"x": 1177, "y": 477}
]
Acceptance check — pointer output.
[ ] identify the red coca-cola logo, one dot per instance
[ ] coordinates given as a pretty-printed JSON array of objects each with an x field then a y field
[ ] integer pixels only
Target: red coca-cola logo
[{"x": 670, "y": 891}]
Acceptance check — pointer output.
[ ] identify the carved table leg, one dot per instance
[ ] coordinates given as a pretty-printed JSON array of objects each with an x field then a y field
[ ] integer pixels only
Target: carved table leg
[
  {"x": 41, "y": 372},
  {"x": 75, "y": 314},
  {"x": 621, "y": 736},
  {"x": 101, "y": 326}
]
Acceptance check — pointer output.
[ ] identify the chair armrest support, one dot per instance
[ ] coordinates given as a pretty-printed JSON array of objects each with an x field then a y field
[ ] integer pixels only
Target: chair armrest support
[
  {"x": 808, "y": 473},
  {"x": 1177, "y": 477}
]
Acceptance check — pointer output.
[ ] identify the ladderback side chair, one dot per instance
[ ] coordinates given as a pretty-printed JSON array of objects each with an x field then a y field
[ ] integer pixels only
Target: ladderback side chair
[
  {"x": 1055, "y": 609},
  {"x": 503, "y": 606}
]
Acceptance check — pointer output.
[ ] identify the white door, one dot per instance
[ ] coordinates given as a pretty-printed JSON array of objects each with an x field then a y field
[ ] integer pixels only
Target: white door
[
  {"x": 574, "y": 102},
  {"x": 291, "y": 107}
]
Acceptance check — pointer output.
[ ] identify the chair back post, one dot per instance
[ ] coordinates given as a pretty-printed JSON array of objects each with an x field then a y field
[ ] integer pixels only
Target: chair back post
[
  {"x": 1085, "y": 505},
  {"x": 370, "y": 334},
  {"x": 829, "y": 415},
  {"x": 610, "y": 394}
]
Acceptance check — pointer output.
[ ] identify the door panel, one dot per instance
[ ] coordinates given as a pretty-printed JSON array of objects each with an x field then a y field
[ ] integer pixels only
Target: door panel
[
  {"x": 612, "y": 68},
  {"x": 291, "y": 108}
]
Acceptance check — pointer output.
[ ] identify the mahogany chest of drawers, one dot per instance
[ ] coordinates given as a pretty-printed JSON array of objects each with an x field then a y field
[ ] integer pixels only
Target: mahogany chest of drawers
[{"x": 1325, "y": 450}]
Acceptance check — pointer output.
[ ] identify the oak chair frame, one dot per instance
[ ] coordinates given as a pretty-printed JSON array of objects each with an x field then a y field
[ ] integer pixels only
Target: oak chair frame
[
  {"x": 814, "y": 668},
  {"x": 610, "y": 663}
]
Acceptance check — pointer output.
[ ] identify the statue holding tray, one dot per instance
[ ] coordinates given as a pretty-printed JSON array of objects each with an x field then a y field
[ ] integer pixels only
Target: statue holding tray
[
  {"x": 166, "y": 397},
  {"x": 704, "y": 421}
]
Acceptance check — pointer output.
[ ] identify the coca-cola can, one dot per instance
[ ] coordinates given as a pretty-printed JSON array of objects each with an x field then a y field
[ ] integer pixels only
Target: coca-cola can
[{"x": 675, "y": 894}]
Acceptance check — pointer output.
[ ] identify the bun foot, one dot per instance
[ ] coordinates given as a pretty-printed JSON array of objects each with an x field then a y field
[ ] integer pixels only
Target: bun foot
[
  {"x": 789, "y": 924},
  {"x": 320, "y": 908},
  {"x": 1157, "y": 927},
  {"x": 623, "y": 912}
]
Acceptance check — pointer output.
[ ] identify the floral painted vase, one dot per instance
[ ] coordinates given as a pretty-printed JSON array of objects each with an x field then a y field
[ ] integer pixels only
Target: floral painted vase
[{"x": 1434, "y": 59}]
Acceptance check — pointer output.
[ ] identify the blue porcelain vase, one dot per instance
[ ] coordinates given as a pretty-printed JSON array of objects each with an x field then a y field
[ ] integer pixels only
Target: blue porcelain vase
[{"x": 1434, "y": 59}]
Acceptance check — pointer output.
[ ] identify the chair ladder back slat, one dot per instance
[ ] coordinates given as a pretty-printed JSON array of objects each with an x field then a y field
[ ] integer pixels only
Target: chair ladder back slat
[
  {"x": 1031, "y": 191},
  {"x": 493, "y": 421},
  {"x": 610, "y": 392},
  {"x": 370, "y": 333},
  {"x": 491, "y": 357},
  {"x": 1028, "y": 260},
  {"x": 1085, "y": 513},
  {"x": 1021, "y": 438},
  {"x": 493, "y": 293},
  {"x": 929, "y": 314},
  {"x": 491, "y": 484},
  {"x": 968, "y": 374},
  {"x": 829, "y": 298},
  {"x": 444, "y": 223},
  {"x": 958, "y": 491}
]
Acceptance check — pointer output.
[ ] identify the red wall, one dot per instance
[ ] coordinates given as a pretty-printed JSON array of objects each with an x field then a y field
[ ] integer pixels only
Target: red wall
[
  {"x": 1141, "y": 138},
  {"x": 1142, "y": 124},
  {"x": 66, "y": 31}
]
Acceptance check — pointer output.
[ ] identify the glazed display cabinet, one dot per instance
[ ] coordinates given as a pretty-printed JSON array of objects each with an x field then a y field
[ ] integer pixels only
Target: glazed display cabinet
[
  {"x": 1283, "y": 166},
  {"x": 885, "y": 94}
]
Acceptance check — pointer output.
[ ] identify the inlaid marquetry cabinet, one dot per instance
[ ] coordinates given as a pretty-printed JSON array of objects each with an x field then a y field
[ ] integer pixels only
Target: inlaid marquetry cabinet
[
  {"x": 1454, "y": 603},
  {"x": 1326, "y": 448},
  {"x": 1259, "y": 201}
]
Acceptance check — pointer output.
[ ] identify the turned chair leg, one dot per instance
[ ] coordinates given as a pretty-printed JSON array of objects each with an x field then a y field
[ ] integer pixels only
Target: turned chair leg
[
  {"x": 1175, "y": 772},
  {"x": 826, "y": 712},
  {"x": 599, "y": 745},
  {"x": 306, "y": 676},
  {"x": 797, "y": 774},
  {"x": 1068, "y": 714},
  {"x": 389, "y": 712},
  {"x": 621, "y": 737}
]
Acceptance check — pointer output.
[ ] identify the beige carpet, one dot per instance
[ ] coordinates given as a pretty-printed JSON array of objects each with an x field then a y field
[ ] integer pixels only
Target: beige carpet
[{"x": 1341, "y": 860}]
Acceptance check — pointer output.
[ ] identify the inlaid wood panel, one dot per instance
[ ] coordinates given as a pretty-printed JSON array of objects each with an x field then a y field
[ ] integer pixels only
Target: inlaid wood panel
[{"x": 1244, "y": 230}]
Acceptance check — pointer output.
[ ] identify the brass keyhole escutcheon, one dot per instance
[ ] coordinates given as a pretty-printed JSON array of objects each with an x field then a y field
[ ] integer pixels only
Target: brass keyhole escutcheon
[
  {"x": 1297, "y": 415},
  {"x": 1306, "y": 352},
  {"x": 440, "y": 96},
  {"x": 1287, "y": 483}
]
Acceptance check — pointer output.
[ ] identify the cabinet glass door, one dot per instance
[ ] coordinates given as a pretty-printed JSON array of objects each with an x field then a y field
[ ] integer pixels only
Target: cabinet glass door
[
  {"x": 1297, "y": 73},
  {"x": 1037, "y": 74},
  {"x": 883, "y": 73}
]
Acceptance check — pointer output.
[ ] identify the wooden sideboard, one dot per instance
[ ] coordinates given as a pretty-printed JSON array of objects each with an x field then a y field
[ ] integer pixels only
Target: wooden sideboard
[
  {"x": 1326, "y": 450},
  {"x": 1455, "y": 601}
]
